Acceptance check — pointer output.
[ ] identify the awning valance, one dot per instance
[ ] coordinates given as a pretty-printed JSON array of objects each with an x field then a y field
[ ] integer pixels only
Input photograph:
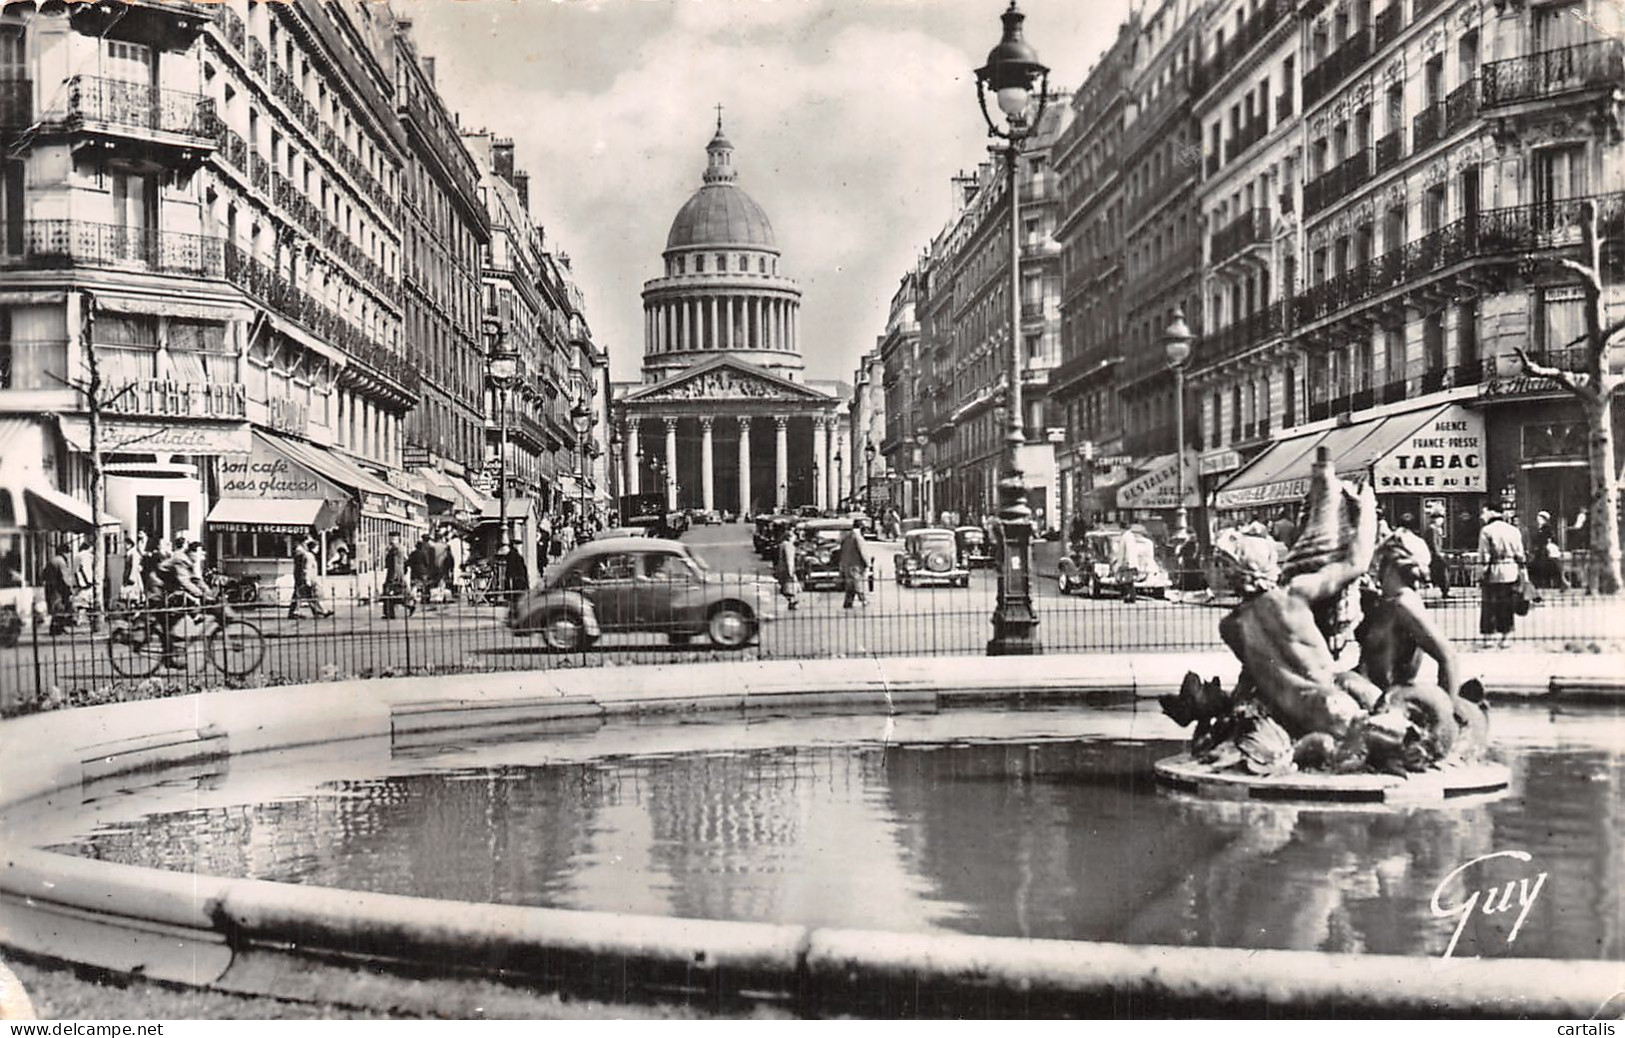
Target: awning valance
[
  {"x": 1439, "y": 450},
  {"x": 271, "y": 515},
  {"x": 335, "y": 467}
]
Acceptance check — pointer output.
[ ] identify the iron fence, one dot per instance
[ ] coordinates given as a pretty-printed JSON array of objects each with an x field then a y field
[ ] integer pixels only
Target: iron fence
[{"x": 53, "y": 662}]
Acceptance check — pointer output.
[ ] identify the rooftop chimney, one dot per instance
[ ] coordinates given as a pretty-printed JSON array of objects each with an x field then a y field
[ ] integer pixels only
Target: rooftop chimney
[
  {"x": 521, "y": 184},
  {"x": 502, "y": 158},
  {"x": 428, "y": 70}
]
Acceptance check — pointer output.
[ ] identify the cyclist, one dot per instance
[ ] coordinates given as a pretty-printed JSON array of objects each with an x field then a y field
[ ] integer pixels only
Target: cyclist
[{"x": 183, "y": 590}]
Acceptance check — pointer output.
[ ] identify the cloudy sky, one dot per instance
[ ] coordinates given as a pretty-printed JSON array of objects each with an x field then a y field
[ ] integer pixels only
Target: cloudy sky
[{"x": 848, "y": 117}]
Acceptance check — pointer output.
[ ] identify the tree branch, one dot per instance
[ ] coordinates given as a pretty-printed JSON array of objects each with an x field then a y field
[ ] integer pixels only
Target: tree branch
[
  {"x": 1569, "y": 380},
  {"x": 1586, "y": 272}
]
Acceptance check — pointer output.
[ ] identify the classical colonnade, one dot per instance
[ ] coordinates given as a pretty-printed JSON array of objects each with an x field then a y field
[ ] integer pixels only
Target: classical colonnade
[
  {"x": 721, "y": 322},
  {"x": 826, "y": 487}
]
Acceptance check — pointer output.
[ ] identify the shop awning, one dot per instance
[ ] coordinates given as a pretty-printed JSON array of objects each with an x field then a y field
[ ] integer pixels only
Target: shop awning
[
  {"x": 454, "y": 491},
  {"x": 271, "y": 515},
  {"x": 518, "y": 508},
  {"x": 335, "y": 467},
  {"x": 1438, "y": 450}
]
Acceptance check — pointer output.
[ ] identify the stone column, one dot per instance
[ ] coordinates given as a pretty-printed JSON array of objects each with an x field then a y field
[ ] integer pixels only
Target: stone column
[
  {"x": 714, "y": 339},
  {"x": 819, "y": 447},
  {"x": 634, "y": 478},
  {"x": 707, "y": 483},
  {"x": 755, "y": 322},
  {"x": 671, "y": 464},
  {"x": 781, "y": 460},
  {"x": 832, "y": 479},
  {"x": 778, "y": 324},
  {"x": 744, "y": 467},
  {"x": 728, "y": 321}
]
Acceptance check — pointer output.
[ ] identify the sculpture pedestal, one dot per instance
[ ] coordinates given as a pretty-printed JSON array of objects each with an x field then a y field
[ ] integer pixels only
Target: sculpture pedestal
[{"x": 1461, "y": 781}]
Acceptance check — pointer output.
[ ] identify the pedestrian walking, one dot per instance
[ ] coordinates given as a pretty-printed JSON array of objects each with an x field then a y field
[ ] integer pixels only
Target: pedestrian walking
[
  {"x": 1500, "y": 546},
  {"x": 515, "y": 574},
  {"x": 784, "y": 570},
  {"x": 397, "y": 585},
  {"x": 1438, "y": 569},
  {"x": 59, "y": 582},
  {"x": 305, "y": 589},
  {"x": 135, "y": 552},
  {"x": 854, "y": 562},
  {"x": 420, "y": 568}
]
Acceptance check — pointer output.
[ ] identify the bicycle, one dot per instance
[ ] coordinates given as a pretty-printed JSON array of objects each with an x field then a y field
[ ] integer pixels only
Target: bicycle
[{"x": 232, "y": 645}]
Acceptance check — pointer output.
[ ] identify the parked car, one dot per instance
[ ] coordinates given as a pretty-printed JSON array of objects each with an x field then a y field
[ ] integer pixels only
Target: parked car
[
  {"x": 769, "y": 529},
  {"x": 1103, "y": 564},
  {"x": 818, "y": 552},
  {"x": 974, "y": 550},
  {"x": 622, "y": 531},
  {"x": 641, "y": 584},
  {"x": 929, "y": 555},
  {"x": 864, "y": 522},
  {"x": 704, "y": 517}
]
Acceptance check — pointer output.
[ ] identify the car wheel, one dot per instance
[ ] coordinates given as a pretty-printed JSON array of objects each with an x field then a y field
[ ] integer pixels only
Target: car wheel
[
  {"x": 564, "y": 632},
  {"x": 731, "y": 625}
]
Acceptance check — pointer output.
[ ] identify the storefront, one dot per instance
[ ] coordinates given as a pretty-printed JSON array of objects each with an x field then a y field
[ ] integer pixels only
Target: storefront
[
  {"x": 1421, "y": 463},
  {"x": 306, "y": 490},
  {"x": 1152, "y": 496}
]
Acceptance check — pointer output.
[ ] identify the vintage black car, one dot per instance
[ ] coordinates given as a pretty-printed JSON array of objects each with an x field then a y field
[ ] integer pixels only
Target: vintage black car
[
  {"x": 769, "y": 531},
  {"x": 974, "y": 549},
  {"x": 929, "y": 556},
  {"x": 818, "y": 552}
]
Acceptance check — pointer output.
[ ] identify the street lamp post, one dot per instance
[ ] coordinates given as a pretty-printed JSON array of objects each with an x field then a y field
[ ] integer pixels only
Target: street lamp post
[
  {"x": 1011, "y": 73},
  {"x": 835, "y": 478},
  {"x": 920, "y": 440},
  {"x": 501, "y": 368},
  {"x": 1177, "y": 344},
  {"x": 581, "y": 418},
  {"x": 869, "y": 475}
]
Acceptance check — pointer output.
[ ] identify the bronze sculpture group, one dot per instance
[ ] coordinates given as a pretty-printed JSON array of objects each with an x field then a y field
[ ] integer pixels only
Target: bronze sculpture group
[{"x": 1293, "y": 707}]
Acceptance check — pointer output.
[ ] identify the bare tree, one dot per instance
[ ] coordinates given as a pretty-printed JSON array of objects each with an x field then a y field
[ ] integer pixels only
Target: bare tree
[{"x": 1593, "y": 385}]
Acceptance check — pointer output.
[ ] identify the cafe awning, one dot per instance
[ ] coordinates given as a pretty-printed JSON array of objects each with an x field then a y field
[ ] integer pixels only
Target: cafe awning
[
  {"x": 334, "y": 467},
  {"x": 1437, "y": 450},
  {"x": 271, "y": 515}
]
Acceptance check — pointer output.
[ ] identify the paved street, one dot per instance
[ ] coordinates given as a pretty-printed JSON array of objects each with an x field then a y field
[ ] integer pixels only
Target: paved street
[{"x": 897, "y": 621}]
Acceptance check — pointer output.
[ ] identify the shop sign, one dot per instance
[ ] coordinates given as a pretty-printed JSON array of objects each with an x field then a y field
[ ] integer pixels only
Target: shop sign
[
  {"x": 414, "y": 457},
  {"x": 1214, "y": 463},
  {"x": 1522, "y": 385},
  {"x": 1159, "y": 488},
  {"x": 175, "y": 399},
  {"x": 266, "y": 473},
  {"x": 1264, "y": 493},
  {"x": 133, "y": 435},
  {"x": 1444, "y": 456},
  {"x": 287, "y": 415}
]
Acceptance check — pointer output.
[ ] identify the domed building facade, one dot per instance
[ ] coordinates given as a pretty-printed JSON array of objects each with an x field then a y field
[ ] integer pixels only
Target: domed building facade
[{"x": 724, "y": 418}]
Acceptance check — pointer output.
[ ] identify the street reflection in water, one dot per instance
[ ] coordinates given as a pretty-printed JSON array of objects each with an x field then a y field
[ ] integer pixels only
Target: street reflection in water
[{"x": 1036, "y": 837}]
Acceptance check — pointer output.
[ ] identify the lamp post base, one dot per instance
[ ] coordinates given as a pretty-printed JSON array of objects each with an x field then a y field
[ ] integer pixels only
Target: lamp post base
[{"x": 1015, "y": 625}]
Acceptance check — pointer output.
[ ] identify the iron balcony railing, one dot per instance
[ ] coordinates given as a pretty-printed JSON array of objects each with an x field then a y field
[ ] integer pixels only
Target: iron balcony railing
[
  {"x": 1264, "y": 18},
  {"x": 256, "y": 56},
  {"x": 1229, "y": 342},
  {"x": 1318, "y": 81},
  {"x": 1390, "y": 149},
  {"x": 1461, "y": 106},
  {"x": 1250, "y": 134},
  {"x": 81, "y": 243},
  {"x": 137, "y": 106},
  {"x": 16, "y": 103},
  {"x": 230, "y": 146},
  {"x": 1388, "y": 23},
  {"x": 1338, "y": 182},
  {"x": 292, "y": 302},
  {"x": 1553, "y": 73},
  {"x": 1428, "y": 126},
  {"x": 1250, "y": 228},
  {"x": 231, "y": 28},
  {"x": 1511, "y": 231}
]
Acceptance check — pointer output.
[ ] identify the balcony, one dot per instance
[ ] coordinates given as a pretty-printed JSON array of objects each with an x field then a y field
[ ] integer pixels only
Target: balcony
[
  {"x": 166, "y": 127},
  {"x": 386, "y": 371},
  {"x": 1318, "y": 81},
  {"x": 1461, "y": 106},
  {"x": 16, "y": 103},
  {"x": 1251, "y": 228},
  {"x": 1250, "y": 134},
  {"x": 1227, "y": 343},
  {"x": 1428, "y": 126},
  {"x": 79, "y": 243},
  {"x": 1032, "y": 312},
  {"x": 1390, "y": 149},
  {"x": 1266, "y": 17},
  {"x": 1329, "y": 187},
  {"x": 1388, "y": 23},
  {"x": 1553, "y": 73},
  {"x": 1510, "y": 234},
  {"x": 164, "y": 24}
]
